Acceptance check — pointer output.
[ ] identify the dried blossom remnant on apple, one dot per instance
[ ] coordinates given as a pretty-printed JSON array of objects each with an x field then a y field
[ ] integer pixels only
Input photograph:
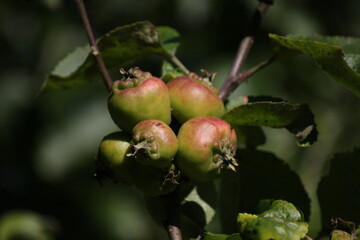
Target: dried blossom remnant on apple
[
  {"x": 154, "y": 143},
  {"x": 138, "y": 97}
]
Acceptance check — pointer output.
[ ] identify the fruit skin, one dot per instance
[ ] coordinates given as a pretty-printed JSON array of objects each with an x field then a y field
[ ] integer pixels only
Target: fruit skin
[
  {"x": 190, "y": 97},
  {"x": 154, "y": 143},
  {"x": 112, "y": 159},
  {"x": 206, "y": 146},
  {"x": 138, "y": 97},
  {"x": 153, "y": 181}
]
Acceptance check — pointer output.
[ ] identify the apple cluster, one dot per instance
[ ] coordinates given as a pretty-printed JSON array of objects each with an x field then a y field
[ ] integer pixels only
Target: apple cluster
[{"x": 169, "y": 132}]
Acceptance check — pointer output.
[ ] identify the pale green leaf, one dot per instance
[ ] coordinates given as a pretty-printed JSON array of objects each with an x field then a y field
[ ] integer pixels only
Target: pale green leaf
[
  {"x": 119, "y": 48},
  {"x": 339, "y": 57}
]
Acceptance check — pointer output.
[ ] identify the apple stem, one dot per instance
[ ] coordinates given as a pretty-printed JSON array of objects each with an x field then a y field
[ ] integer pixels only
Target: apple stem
[
  {"x": 179, "y": 64},
  {"x": 95, "y": 52}
]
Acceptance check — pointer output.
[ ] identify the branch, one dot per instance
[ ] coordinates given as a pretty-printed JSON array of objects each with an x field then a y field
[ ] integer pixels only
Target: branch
[
  {"x": 94, "y": 48},
  {"x": 172, "y": 207},
  {"x": 244, "y": 49},
  {"x": 241, "y": 77}
]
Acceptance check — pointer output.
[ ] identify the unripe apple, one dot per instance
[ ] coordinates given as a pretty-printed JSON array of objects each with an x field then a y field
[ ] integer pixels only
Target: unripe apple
[
  {"x": 154, "y": 143},
  {"x": 138, "y": 96},
  {"x": 191, "y": 96},
  {"x": 112, "y": 160},
  {"x": 207, "y": 145}
]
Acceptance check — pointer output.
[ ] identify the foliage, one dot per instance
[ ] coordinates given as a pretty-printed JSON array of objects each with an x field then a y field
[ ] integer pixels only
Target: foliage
[
  {"x": 279, "y": 220},
  {"x": 241, "y": 191},
  {"x": 295, "y": 117},
  {"x": 337, "y": 56},
  {"x": 337, "y": 192},
  {"x": 261, "y": 174},
  {"x": 119, "y": 48}
]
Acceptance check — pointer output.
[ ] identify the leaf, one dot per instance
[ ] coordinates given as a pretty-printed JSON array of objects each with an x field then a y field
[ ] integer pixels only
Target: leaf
[
  {"x": 251, "y": 136},
  {"x": 212, "y": 236},
  {"x": 339, "y": 192},
  {"x": 169, "y": 40},
  {"x": 295, "y": 117},
  {"x": 281, "y": 221},
  {"x": 119, "y": 48},
  {"x": 339, "y": 57},
  {"x": 168, "y": 72},
  {"x": 261, "y": 175},
  {"x": 199, "y": 205},
  {"x": 196, "y": 211}
]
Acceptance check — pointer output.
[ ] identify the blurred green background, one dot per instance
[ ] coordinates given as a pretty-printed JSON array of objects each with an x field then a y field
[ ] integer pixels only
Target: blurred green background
[{"x": 48, "y": 144}]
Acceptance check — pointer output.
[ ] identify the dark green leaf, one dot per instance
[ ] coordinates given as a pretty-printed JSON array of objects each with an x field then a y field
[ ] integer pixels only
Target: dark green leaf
[
  {"x": 199, "y": 205},
  {"x": 251, "y": 136},
  {"x": 261, "y": 175},
  {"x": 235, "y": 102},
  {"x": 196, "y": 211},
  {"x": 119, "y": 48},
  {"x": 339, "y": 57},
  {"x": 339, "y": 191},
  {"x": 295, "y": 117}
]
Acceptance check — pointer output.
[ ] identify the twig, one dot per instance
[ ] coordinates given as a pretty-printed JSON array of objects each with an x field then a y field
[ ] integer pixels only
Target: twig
[
  {"x": 244, "y": 49},
  {"x": 174, "y": 232},
  {"x": 172, "y": 207},
  {"x": 177, "y": 62},
  {"x": 241, "y": 77},
  {"x": 307, "y": 238},
  {"x": 94, "y": 48}
]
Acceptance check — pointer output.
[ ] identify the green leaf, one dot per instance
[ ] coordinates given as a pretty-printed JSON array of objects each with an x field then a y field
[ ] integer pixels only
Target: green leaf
[
  {"x": 196, "y": 211},
  {"x": 339, "y": 57},
  {"x": 199, "y": 205},
  {"x": 251, "y": 136},
  {"x": 295, "y": 117},
  {"x": 169, "y": 40},
  {"x": 261, "y": 176},
  {"x": 119, "y": 48},
  {"x": 339, "y": 191},
  {"x": 212, "y": 236},
  {"x": 281, "y": 221},
  {"x": 168, "y": 71}
]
